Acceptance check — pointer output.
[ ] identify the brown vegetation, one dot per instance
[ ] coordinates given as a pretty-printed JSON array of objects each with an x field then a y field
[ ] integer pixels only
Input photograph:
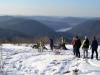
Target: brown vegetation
[{"x": 35, "y": 40}]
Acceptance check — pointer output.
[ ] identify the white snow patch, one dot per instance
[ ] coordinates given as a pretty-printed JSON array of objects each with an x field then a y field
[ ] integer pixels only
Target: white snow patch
[{"x": 22, "y": 60}]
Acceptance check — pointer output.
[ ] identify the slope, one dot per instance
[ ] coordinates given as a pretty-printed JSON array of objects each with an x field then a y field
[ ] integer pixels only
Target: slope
[
  {"x": 88, "y": 28},
  {"x": 30, "y": 28},
  {"x": 56, "y": 25},
  {"x": 73, "y": 20},
  {"x": 10, "y": 34}
]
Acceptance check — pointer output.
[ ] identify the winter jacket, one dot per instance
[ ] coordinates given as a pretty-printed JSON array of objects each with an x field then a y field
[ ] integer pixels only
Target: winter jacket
[
  {"x": 51, "y": 43},
  {"x": 85, "y": 43},
  {"x": 63, "y": 40},
  {"x": 94, "y": 44},
  {"x": 41, "y": 43},
  {"x": 77, "y": 44},
  {"x": 73, "y": 41}
]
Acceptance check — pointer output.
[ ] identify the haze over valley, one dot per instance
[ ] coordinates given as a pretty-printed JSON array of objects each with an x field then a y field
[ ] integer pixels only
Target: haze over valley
[{"x": 30, "y": 26}]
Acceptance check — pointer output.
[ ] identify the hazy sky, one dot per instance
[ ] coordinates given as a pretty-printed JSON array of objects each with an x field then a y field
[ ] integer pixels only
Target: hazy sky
[{"x": 80, "y": 8}]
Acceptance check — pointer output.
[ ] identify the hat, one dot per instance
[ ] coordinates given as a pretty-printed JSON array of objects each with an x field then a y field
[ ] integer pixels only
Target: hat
[{"x": 86, "y": 37}]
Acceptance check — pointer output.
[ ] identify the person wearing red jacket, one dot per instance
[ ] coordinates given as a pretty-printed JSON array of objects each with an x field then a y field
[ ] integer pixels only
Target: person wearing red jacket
[{"x": 72, "y": 43}]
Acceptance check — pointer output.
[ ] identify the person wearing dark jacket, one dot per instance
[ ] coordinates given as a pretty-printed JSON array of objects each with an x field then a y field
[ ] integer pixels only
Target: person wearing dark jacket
[
  {"x": 51, "y": 43},
  {"x": 94, "y": 46},
  {"x": 77, "y": 46},
  {"x": 85, "y": 46}
]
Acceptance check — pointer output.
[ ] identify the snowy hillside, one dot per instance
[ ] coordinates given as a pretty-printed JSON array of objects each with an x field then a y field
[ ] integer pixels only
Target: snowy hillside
[{"x": 23, "y": 60}]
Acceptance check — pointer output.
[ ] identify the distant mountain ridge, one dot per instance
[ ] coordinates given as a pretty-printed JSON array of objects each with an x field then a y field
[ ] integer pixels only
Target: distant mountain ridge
[
  {"x": 6, "y": 18},
  {"x": 73, "y": 20},
  {"x": 51, "y": 22},
  {"x": 88, "y": 28},
  {"x": 30, "y": 28},
  {"x": 56, "y": 25},
  {"x": 64, "y": 21},
  {"x": 46, "y": 18},
  {"x": 10, "y": 34}
]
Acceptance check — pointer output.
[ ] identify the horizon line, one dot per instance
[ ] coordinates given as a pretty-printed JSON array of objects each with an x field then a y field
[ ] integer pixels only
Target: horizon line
[{"x": 50, "y": 16}]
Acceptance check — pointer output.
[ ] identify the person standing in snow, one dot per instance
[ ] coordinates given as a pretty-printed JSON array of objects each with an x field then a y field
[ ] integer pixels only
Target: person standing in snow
[
  {"x": 41, "y": 43},
  {"x": 73, "y": 41},
  {"x": 94, "y": 46},
  {"x": 77, "y": 46},
  {"x": 51, "y": 44},
  {"x": 63, "y": 43},
  {"x": 85, "y": 46}
]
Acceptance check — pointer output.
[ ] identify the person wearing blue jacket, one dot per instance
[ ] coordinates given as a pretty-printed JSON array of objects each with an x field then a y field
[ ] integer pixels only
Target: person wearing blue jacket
[
  {"x": 51, "y": 43},
  {"x": 94, "y": 47}
]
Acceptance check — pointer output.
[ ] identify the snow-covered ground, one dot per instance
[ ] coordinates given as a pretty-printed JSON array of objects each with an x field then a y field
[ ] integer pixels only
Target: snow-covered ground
[{"x": 22, "y": 60}]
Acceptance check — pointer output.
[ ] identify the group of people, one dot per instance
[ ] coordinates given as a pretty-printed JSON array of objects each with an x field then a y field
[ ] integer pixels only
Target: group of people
[
  {"x": 41, "y": 43},
  {"x": 62, "y": 44},
  {"x": 76, "y": 42}
]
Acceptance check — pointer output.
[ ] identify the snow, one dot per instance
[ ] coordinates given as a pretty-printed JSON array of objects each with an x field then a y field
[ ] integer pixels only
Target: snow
[{"x": 24, "y": 60}]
